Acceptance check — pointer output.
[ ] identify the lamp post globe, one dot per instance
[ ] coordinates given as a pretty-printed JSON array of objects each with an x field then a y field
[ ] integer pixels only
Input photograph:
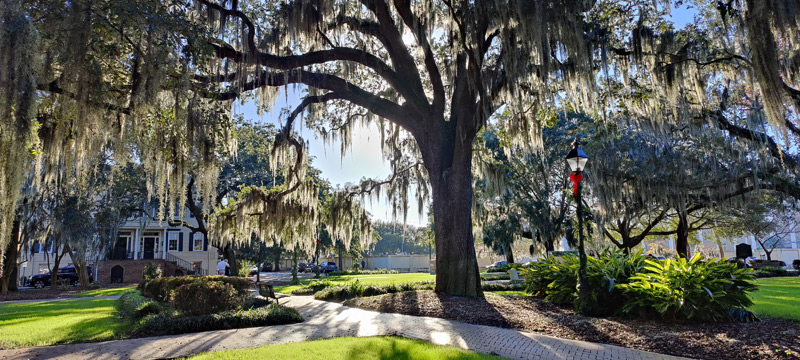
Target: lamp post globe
[{"x": 577, "y": 160}]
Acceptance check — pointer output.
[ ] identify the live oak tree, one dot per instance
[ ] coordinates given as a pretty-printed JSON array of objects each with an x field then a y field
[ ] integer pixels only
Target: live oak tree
[{"x": 433, "y": 72}]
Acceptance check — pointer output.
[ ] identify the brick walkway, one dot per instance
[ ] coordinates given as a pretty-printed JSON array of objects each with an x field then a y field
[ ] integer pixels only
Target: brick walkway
[{"x": 326, "y": 320}]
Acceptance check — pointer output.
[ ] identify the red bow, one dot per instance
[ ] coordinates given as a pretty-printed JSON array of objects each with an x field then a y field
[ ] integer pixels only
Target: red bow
[{"x": 575, "y": 178}]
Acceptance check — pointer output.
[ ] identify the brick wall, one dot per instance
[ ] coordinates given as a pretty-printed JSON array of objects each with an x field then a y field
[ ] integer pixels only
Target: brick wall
[{"x": 133, "y": 270}]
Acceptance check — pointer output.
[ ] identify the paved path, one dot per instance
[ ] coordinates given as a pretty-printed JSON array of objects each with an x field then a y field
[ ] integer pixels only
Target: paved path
[{"x": 325, "y": 320}]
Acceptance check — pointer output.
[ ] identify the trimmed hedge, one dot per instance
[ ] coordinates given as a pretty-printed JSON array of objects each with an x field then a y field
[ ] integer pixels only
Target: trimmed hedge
[
  {"x": 161, "y": 288},
  {"x": 206, "y": 297},
  {"x": 356, "y": 289},
  {"x": 362, "y": 272},
  {"x": 771, "y": 271},
  {"x": 169, "y": 324}
]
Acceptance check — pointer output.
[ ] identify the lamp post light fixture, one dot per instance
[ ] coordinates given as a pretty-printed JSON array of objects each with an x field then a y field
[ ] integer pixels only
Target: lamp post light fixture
[{"x": 577, "y": 159}]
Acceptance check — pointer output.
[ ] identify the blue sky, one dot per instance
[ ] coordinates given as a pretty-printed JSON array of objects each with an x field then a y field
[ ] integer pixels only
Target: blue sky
[{"x": 364, "y": 158}]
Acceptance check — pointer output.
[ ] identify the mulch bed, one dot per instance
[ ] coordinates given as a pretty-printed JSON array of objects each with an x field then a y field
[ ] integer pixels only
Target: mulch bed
[
  {"x": 767, "y": 339},
  {"x": 49, "y": 293}
]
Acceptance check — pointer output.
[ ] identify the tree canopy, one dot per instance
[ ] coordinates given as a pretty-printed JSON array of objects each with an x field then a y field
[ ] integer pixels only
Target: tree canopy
[{"x": 163, "y": 75}]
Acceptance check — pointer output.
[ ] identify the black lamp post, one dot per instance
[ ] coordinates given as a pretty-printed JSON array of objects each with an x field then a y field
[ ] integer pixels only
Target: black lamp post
[{"x": 577, "y": 159}]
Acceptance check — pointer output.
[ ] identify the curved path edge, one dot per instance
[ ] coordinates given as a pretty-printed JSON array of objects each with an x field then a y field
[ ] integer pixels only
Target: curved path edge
[{"x": 327, "y": 320}]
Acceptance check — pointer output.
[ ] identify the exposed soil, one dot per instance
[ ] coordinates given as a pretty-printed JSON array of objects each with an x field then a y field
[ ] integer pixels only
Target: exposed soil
[
  {"x": 767, "y": 339},
  {"x": 50, "y": 293}
]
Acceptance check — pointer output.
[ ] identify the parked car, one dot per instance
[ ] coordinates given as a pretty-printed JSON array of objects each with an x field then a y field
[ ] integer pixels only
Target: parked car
[
  {"x": 266, "y": 267},
  {"x": 496, "y": 265},
  {"x": 301, "y": 267},
  {"x": 253, "y": 270},
  {"x": 311, "y": 268},
  {"x": 67, "y": 273},
  {"x": 328, "y": 266}
]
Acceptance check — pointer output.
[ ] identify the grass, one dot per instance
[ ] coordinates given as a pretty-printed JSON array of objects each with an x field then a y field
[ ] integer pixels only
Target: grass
[
  {"x": 378, "y": 279},
  {"x": 58, "y": 322},
  {"x": 104, "y": 292},
  {"x": 381, "y": 347},
  {"x": 776, "y": 298}
]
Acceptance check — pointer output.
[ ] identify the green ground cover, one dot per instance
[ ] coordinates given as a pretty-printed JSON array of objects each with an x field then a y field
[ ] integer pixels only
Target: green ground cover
[
  {"x": 378, "y": 279},
  {"x": 777, "y": 298},
  {"x": 104, "y": 292},
  {"x": 515, "y": 293},
  {"x": 58, "y": 322},
  {"x": 346, "y": 348}
]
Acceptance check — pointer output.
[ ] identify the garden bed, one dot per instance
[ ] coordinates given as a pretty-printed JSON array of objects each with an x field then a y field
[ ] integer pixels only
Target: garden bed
[{"x": 767, "y": 339}]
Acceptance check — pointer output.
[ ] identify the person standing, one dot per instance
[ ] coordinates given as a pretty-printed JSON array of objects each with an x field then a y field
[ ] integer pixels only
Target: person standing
[{"x": 221, "y": 267}]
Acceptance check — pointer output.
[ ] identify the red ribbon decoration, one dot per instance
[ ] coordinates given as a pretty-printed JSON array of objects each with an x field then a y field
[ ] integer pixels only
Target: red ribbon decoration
[{"x": 575, "y": 178}]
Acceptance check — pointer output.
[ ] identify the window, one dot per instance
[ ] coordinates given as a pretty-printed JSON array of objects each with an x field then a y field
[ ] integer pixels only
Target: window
[
  {"x": 198, "y": 242},
  {"x": 173, "y": 241}
]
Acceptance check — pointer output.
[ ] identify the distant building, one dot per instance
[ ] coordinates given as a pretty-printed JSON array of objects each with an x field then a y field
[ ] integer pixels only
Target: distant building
[{"x": 174, "y": 247}]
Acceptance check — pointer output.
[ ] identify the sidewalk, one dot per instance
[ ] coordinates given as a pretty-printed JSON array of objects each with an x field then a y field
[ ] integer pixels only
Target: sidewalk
[{"x": 326, "y": 320}]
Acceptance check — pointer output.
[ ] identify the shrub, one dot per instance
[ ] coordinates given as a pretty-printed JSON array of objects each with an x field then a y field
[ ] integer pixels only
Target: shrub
[
  {"x": 503, "y": 287},
  {"x": 689, "y": 290},
  {"x": 604, "y": 272},
  {"x": 356, "y": 289},
  {"x": 556, "y": 278},
  {"x": 132, "y": 306},
  {"x": 771, "y": 271},
  {"x": 168, "y": 324},
  {"x": 255, "y": 302},
  {"x": 206, "y": 297},
  {"x": 495, "y": 276},
  {"x": 151, "y": 271},
  {"x": 244, "y": 268},
  {"x": 161, "y": 289},
  {"x": 362, "y": 272},
  {"x": 796, "y": 264}
]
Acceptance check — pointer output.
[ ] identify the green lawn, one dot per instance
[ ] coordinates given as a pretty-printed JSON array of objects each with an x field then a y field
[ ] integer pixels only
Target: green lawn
[
  {"x": 378, "y": 279},
  {"x": 58, "y": 322},
  {"x": 346, "y": 348},
  {"x": 777, "y": 298},
  {"x": 104, "y": 292}
]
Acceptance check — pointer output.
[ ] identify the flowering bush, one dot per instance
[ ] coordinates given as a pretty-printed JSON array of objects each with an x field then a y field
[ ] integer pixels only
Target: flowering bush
[{"x": 205, "y": 297}]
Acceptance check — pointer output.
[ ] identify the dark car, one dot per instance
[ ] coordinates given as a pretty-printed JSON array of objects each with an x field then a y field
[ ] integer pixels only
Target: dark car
[
  {"x": 66, "y": 273},
  {"x": 328, "y": 266},
  {"x": 311, "y": 268},
  {"x": 301, "y": 267},
  {"x": 266, "y": 267}
]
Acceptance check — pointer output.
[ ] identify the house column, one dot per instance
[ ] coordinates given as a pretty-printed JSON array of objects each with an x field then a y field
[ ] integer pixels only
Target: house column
[
  {"x": 794, "y": 241},
  {"x": 164, "y": 244},
  {"x": 136, "y": 244}
]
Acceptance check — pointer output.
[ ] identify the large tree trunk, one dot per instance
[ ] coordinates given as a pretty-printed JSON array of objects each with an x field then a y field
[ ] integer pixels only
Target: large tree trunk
[
  {"x": 56, "y": 263},
  {"x": 79, "y": 262},
  {"x": 230, "y": 254},
  {"x": 451, "y": 187},
  {"x": 341, "y": 262},
  {"x": 509, "y": 254},
  {"x": 682, "y": 236},
  {"x": 277, "y": 259},
  {"x": 11, "y": 253}
]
